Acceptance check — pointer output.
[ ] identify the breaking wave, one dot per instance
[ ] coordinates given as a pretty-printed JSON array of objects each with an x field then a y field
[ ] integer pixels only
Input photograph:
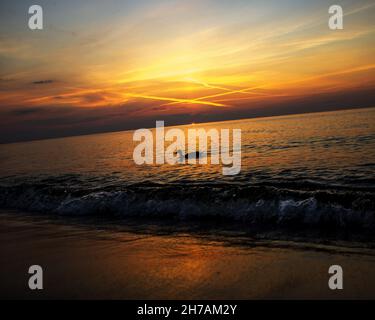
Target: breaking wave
[{"x": 249, "y": 205}]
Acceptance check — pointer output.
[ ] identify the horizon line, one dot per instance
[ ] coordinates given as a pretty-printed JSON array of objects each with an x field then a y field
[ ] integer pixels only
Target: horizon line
[{"x": 187, "y": 124}]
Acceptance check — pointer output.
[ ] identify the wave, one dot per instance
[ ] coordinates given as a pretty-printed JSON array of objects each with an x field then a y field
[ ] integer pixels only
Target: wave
[{"x": 250, "y": 205}]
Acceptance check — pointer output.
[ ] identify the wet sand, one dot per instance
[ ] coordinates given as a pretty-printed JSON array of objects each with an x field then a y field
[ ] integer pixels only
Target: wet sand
[{"x": 80, "y": 262}]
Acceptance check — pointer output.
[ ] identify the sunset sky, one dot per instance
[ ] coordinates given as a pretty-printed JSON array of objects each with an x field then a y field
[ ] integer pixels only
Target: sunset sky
[{"x": 120, "y": 64}]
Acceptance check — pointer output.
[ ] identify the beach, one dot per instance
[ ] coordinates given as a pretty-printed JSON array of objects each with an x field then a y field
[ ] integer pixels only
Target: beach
[
  {"x": 102, "y": 227},
  {"x": 187, "y": 150},
  {"x": 87, "y": 262}
]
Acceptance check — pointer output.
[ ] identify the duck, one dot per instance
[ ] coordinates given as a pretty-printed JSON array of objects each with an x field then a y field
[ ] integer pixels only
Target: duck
[{"x": 191, "y": 155}]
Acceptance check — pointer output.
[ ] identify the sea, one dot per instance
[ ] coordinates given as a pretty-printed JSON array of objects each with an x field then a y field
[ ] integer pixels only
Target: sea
[{"x": 299, "y": 173}]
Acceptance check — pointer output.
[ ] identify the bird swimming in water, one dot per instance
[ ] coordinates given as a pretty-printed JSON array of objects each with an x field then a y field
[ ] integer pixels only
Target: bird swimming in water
[{"x": 191, "y": 155}]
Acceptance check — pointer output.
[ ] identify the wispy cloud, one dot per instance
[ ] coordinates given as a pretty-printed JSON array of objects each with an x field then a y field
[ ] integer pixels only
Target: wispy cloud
[
  {"x": 178, "y": 56},
  {"x": 43, "y": 82}
]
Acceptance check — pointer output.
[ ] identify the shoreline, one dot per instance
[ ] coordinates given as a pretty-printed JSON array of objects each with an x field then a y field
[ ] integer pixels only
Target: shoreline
[{"x": 87, "y": 263}]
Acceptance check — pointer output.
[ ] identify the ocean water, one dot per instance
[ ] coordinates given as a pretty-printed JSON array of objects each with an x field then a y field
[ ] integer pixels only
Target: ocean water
[{"x": 311, "y": 170}]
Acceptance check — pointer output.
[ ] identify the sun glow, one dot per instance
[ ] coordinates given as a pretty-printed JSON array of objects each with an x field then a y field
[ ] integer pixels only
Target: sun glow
[{"x": 169, "y": 59}]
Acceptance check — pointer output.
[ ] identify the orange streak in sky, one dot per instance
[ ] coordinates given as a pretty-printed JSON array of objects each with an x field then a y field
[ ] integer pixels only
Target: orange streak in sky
[{"x": 176, "y": 100}]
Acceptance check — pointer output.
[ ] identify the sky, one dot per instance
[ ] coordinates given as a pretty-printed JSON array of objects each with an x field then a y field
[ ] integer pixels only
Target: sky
[{"x": 112, "y": 65}]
